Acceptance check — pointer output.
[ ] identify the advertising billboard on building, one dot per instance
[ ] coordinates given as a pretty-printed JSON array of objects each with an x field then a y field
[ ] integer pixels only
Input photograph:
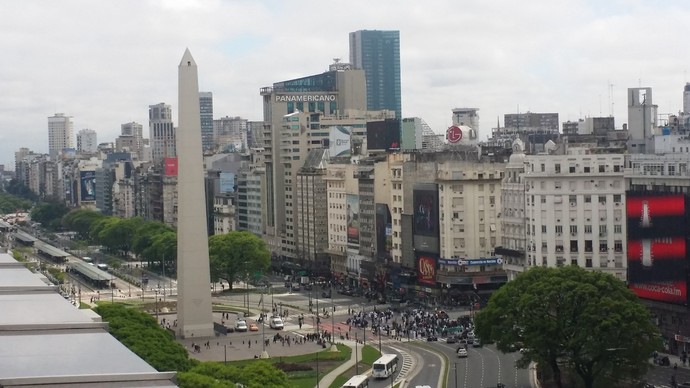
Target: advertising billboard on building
[
  {"x": 227, "y": 182},
  {"x": 384, "y": 231},
  {"x": 426, "y": 270},
  {"x": 352, "y": 219},
  {"x": 339, "y": 141},
  {"x": 657, "y": 246},
  {"x": 383, "y": 135},
  {"x": 170, "y": 166},
  {"x": 87, "y": 181},
  {"x": 655, "y": 215},
  {"x": 425, "y": 223}
]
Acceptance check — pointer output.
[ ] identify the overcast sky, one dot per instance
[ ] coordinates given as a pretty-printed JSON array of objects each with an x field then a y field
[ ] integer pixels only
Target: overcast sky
[{"x": 105, "y": 62}]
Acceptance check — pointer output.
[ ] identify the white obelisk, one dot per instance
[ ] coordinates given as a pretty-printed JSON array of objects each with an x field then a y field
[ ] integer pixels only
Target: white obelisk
[{"x": 194, "y": 314}]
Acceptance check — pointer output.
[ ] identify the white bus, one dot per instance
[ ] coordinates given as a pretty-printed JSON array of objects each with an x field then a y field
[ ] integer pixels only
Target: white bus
[
  {"x": 385, "y": 366},
  {"x": 87, "y": 259},
  {"x": 357, "y": 381}
]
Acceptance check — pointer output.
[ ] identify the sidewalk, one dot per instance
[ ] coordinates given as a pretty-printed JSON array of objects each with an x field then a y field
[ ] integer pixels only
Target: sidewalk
[
  {"x": 675, "y": 360},
  {"x": 327, "y": 380}
]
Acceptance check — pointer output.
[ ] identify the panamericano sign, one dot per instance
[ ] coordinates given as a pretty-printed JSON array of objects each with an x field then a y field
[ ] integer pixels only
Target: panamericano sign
[{"x": 305, "y": 97}]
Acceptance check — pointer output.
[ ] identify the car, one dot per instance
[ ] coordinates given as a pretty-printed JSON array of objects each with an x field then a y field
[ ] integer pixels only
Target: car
[
  {"x": 524, "y": 350},
  {"x": 308, "y": 287},
  {"x": 241, "y": 326},
  {"x": 462, "y": 352},
  {"x": 452, "y": 339},
  {"x": 296, "y": 287},
  {"x": 276, "y": 323},
  {"x": 253, "y": 327},
  {"x": 432, "y": 338},
  {"x": 326, "y": 295},
  {"x": 476, "y": 343}
]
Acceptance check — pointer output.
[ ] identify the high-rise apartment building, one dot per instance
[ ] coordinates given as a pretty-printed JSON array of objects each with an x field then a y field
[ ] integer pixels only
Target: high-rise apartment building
[
  {"x": 229, "y": 134},
  {"x": 293, "y": 114},
  {"x": 378, "y": 54},
  {"x": 575, "y": 211},
  {"x": 131, "y": 140},
  {"x": 532, "y": 122},
  {"x": 87, "y": 141},
  {"x": 642, "y": 119},
  {"x": 60, "y": 134},
  {"x": 206, "y": 112},
  {"x": 161, "y": 132}
]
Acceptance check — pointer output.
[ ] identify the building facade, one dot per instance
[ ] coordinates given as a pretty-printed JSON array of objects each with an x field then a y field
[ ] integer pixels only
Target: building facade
[
  {"x": 378, "y": 54},
  {"x": 206, "y": 113},
  {"x": 60, "y": 134},
  {"x": 161, "y": 132},
  {"x": 87, "y": 141}
]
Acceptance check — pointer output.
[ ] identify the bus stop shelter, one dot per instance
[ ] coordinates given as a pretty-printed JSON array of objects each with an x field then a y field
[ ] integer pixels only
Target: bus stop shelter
[
  {"x": 91, "y": 274},
  {"x": 49, "y": 251}
]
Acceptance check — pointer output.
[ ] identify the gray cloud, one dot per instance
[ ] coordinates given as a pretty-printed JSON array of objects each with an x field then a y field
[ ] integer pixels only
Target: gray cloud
[{"x": 104, "y": 63}]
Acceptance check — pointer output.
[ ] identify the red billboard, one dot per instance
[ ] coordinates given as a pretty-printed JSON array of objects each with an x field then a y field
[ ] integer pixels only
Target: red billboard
[
  {"x": 170, "y": 166},
  {"x": 657, "y": 246},
  {"x": 671, "y": 291},
  {"x": 426, "y": 270}
]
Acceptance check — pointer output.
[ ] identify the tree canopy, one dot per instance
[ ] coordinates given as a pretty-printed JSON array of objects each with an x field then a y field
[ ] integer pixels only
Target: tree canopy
[
  {"x": 570, "y": 317},
  {"x": 49, "y": 214},
  {"x": 236, "y": 255},
  {"x": 11, "y": 204}
]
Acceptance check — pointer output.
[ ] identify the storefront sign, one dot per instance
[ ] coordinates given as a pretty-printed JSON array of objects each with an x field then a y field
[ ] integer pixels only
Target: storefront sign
[{"x": 426, "y": 270}]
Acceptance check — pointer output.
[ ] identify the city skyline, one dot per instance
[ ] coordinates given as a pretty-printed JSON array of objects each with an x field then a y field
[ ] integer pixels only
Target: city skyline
[{"x": 576, "y": 58}]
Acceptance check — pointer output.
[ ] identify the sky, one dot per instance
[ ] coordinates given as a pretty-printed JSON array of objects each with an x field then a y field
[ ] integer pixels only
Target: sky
[{"x": 105, "y": 62}]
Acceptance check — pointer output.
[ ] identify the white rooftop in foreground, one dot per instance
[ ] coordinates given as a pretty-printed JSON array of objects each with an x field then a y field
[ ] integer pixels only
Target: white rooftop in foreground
[{"x": 47, "y": 342}]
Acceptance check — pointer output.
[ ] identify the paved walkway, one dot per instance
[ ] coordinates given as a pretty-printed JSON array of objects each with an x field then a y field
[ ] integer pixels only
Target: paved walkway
[{"x": 327, "y": 380}]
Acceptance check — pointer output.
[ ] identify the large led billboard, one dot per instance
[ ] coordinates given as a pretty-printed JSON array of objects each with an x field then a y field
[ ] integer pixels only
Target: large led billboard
[
  {"x": 384, "y": 231},
  {"x": 87, "y": 181},
  {"x": 655, "y": 215},
  {"x": 657, "y": 246},
  {"x": 383, "y": 135},
  {"x": 170, "y": 166},
  {"x": 425, "y": 218},
  {"x": 352, "y": 219}
]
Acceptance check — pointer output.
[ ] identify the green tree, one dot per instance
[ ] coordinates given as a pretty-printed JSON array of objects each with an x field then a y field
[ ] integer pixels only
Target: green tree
[
  {"x": 10, "y": 204},
  {"x": 163, "y": 250},
  {"x": 145, "y": 234},
  {"x": 50, "y": 214},
  {"x": 237, "y": 255},
  {"x": 570, "y": 317},
  {"x": 17, "y": 188},
  {"x": 81, "y": 221}
]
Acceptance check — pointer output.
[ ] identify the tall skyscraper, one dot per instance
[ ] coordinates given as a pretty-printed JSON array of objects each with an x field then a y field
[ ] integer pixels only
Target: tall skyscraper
[
  {"x": 161, "y": 132},
  {"x": 206, "y": 111},
  {"x": 194, "y": 313},
  {"x": 378, "y": 54},
  {"x": 60, "y": 134},
  {"x": 87, "y": 141}
]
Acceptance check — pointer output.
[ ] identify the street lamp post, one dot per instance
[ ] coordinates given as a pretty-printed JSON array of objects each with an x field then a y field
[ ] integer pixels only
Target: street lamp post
[
  {"x": 356, "y": 361},
  {"x": 157, "y": 291},
  {"x": 455, "y": 364}
]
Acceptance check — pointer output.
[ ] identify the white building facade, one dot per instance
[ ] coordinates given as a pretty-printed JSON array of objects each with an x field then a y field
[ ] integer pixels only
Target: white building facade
[
  {"x": 575, "y": 211},
  {"x": 60, "y": 134}
]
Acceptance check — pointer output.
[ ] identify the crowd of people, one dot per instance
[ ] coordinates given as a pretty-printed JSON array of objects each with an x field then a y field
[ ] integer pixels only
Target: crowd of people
[{"x": 410, "y": 323}]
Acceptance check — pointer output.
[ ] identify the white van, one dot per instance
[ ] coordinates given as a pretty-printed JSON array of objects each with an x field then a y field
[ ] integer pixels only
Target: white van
[
  {"x": 102, "y": 267},
  {"x": 241, "y": 326},
  {"x": 276, "y": 323}
]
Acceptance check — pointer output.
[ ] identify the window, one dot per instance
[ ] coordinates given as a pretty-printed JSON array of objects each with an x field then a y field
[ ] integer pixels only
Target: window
[
  {"x": 543, "y": 167},
  {"x": 571, "y": 169},
  {"x": 587, "y": 169},
  {"x": 616, "y": 168},
  {"x": 557, "y": 185},
  {"x": 588, "y": 199},
  {"x": 558, "y": 168},
  {"x": 573, "y": 229},
  {"x": 602, "y": 168},
  {"x": 588, "y": 229},
  {"x": 572, "y": 199},
  {"x": 588, "y": 263},
  {"x": 573, "y": 246},
  {"x": 603, "y": 246},
  {"x": 618, "y": 246},
  {"x": 559, "y": 229},
  {"x": 588, "y": 246},
  {"x": 617, "y": 198},
  {"x": 602, "y": 200},
  {"x": 543, "y": 229},
  {"x": 617, "y": 229},
  {"x": 602, "y": 230}
]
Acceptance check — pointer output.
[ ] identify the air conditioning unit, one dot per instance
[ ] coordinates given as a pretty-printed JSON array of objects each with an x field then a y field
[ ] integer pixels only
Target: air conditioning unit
[{"x": 573, "y": 234}]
